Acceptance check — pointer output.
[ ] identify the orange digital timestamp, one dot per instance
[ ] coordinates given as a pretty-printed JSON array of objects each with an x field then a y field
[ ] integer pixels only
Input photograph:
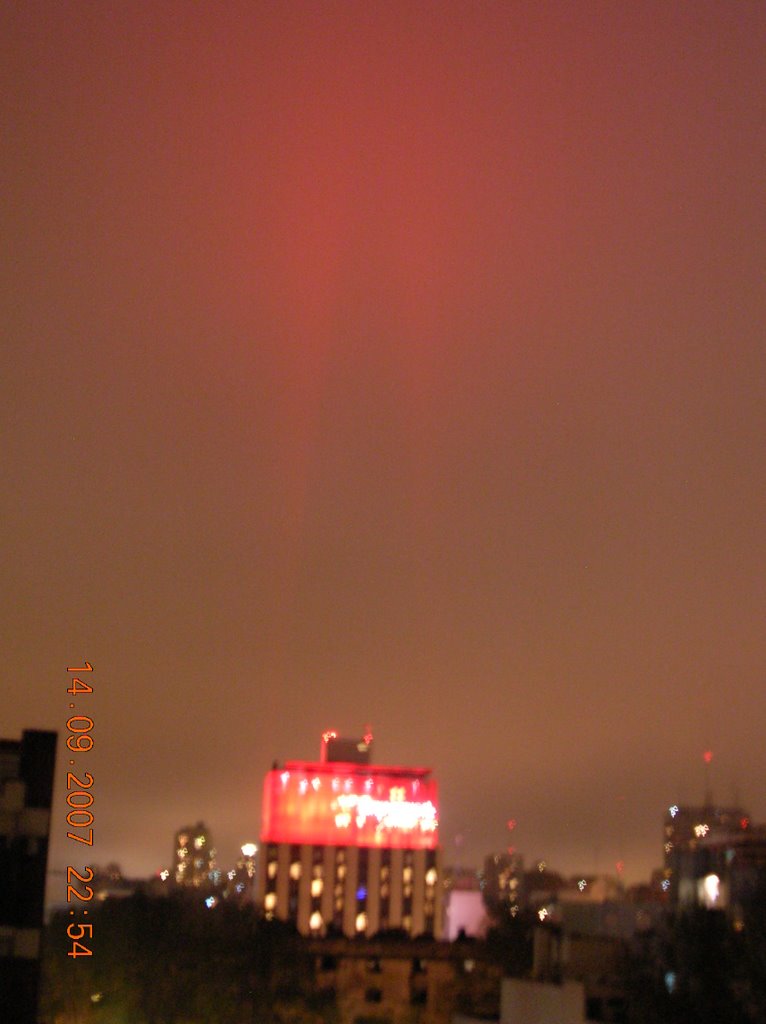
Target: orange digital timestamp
[{"x": 79, "y": 817}]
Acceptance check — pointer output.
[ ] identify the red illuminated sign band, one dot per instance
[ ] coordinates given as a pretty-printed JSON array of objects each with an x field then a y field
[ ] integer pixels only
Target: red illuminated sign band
[{"x": 337, "y": 804}]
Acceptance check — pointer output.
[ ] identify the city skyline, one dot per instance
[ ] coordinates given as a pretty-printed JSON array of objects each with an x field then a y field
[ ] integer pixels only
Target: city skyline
[{"x": 398, "y": 366}]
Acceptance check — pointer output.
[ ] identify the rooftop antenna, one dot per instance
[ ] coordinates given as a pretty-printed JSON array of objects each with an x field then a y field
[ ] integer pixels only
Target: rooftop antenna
[
  {"x": 707, "y": 758},
  {"x": 622, "y": 812},
  {"x": 511, "y": 827}
]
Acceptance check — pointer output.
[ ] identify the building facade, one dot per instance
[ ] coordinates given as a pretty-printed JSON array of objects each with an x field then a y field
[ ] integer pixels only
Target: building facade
[
  {"x": 194, "y": 863},
  {"x": 695, "y": 841},
  {"x": 26, "y": 789},
  {"x": 350, "y": 848}
]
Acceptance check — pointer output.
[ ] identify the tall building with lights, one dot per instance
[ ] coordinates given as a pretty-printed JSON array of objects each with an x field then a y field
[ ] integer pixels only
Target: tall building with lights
[
  {"x": 194, "y": 857},
  {"x": 348, "y": 847},
  {"x": 502, "y": 884}
]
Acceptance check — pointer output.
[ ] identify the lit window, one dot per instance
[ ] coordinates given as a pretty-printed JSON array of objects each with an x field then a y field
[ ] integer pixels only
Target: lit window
[
  {"x": 431, "y": 876},
  {"x": 316, "y": 887},
  {"x": 407, "y": 874},
  {"x": 315, "y": 921},
  {"x": 711, "y": 889},
  {"x": 295, "y": 870},
  {"x": 271, "y": 870},
  {"x": 361, "y": 922},
  {"x": 199, "y": 842},
  {"x": 270, "y": 900}
]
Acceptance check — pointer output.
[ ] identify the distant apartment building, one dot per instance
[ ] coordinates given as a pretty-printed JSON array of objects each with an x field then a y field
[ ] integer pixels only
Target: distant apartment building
[
  {"x": 194, "y": 857},
  {"x": 389, "y": 981},
  {"x": 26, "y": 788},
  {"x": 348, "y": 847},
  {"x": 695, "y": 844},
  {"x": 502, "y": 884}
]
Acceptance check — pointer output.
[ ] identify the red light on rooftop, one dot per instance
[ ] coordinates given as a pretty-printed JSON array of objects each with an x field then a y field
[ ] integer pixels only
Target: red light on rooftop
[
  {"x": 708, "y": 756},
  {"x": 331, "y": 734}
]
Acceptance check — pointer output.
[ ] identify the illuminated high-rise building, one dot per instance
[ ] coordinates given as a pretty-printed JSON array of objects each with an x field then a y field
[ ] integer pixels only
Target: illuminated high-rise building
[
  {"x": 194, "y": 857},
  {"x": 350, "y": 847},
  {"x": 502, "y": 884}
]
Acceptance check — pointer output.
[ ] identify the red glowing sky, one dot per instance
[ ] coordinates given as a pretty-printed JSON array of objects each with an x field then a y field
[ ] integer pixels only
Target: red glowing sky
[{"x": 400, "y": 364}]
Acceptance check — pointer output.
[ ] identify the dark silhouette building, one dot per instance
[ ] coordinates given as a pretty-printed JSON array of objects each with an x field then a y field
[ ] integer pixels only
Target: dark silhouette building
[
  {"x": 26, "y": 789},
  {"x": 695, "y": 839}
]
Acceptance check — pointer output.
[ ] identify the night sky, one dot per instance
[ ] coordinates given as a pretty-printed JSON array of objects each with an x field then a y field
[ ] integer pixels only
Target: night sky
[{"x": 388, "y": 363}]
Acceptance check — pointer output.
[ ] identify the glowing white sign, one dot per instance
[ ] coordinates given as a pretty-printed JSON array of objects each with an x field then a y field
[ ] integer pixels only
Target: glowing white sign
[{"x": 394, "y": 813}]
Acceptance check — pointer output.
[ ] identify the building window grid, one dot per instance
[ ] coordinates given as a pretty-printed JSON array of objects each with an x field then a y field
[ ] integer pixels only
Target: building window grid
[
  {"x": 317, "y": 879},
  {"x": 429, "y": 909},
  {"x": 294, "y": 880},
  {"x": 271, "y": 868},
  {"x": 385, "y": 889},
  {"x": 407, "y": 874},
  {"x": 361, "y": 886},
  {"x": 339, "y": 878}
]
